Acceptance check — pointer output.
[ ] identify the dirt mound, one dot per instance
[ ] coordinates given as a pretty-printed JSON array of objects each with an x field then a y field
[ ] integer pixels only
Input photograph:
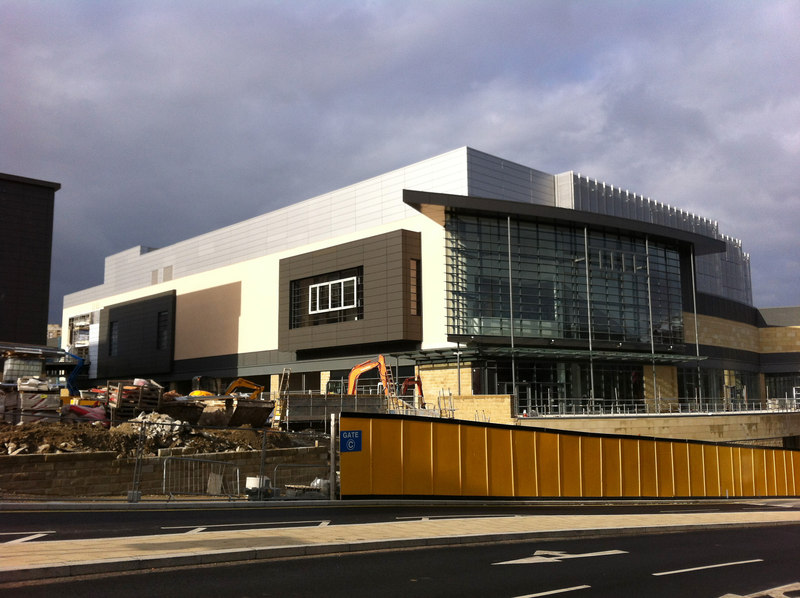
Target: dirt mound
[{"x": 39, "y": 438}]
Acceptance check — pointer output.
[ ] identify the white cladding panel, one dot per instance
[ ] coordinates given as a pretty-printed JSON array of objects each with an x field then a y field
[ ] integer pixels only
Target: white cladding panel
[{"x": 364, "y": 205}]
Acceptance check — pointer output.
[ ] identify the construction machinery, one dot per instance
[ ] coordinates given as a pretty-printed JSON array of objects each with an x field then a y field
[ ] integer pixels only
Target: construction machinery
[
  {"x": 387, "y": 381},
  {"x": 231, "y": 408},
  {"x": 243, "y": 383},
  {"x": 414, "y": 381},
  {"x": 384, "y": 372}
]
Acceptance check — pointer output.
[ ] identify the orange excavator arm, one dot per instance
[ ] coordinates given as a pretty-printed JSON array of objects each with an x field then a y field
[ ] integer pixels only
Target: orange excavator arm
[
  {"x": 408, "y": 382},
  {"x": 355, "y": 373}
]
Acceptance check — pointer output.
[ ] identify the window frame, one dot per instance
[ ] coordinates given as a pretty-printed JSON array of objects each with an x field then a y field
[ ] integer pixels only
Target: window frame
[{"x": 317, "y": 292}]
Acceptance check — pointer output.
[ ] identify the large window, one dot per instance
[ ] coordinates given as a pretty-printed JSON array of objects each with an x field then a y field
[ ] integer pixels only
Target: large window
[
  {"x": 332, "y": 296},
  {"x": 415, "y": 287},
  {"x": 326, "y": 299},
  {"x": 634, "y": 284}
]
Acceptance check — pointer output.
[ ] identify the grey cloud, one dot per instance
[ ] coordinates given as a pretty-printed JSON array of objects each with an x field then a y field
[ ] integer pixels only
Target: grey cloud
[{"x": 167, "y": 120}]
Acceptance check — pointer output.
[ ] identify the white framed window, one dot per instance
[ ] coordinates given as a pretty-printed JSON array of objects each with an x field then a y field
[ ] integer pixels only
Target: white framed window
[{"x": 334, "y": 295}]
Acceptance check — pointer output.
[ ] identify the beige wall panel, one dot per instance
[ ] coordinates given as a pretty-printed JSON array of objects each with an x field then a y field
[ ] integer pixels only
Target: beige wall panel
[{"x": 207, "y": 322}]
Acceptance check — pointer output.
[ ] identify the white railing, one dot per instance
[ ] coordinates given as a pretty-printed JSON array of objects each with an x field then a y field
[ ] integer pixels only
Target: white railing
[{"x": 555, "y": 407}]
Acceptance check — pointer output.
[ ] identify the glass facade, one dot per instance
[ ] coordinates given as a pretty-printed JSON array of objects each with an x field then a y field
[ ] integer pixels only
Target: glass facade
[
  {"x": 721, "y": 274},
  {"x": 546, "y": 387},
  {"x": 783, "y": 386},
  {"x": 634, "y": 283},
  {"x": 721, "y": 388}
]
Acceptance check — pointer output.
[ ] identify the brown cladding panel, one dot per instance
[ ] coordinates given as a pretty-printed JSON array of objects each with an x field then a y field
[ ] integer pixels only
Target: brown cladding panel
[{"x": 385, "y": 292}]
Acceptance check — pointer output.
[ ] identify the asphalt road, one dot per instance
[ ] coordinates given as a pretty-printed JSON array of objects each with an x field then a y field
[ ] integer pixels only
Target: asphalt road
[
  {"x": 95, "y": 522},
  {"x": 706, "y": 563}
]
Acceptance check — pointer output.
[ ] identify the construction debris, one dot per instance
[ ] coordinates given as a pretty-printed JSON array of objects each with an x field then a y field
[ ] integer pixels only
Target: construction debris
[{"x": 161, "y": 432}]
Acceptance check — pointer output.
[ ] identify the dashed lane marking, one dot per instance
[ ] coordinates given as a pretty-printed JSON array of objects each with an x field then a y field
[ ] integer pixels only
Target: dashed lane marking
[
  {"x": 676, "y": 571},
  {"x": 552, "y": 592}
]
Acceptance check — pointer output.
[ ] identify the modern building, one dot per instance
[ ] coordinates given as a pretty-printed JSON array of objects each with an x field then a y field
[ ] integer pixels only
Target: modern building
[
  {"x": 26, "y": 230},
  {"x": 482, "y": 276}
]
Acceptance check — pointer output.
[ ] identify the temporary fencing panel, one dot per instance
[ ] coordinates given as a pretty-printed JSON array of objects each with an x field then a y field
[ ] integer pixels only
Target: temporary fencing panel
[
  {"x": 297, "y": 478},
  {"x": 423, "y": 457},
  {"x": 199, "y": 477}
]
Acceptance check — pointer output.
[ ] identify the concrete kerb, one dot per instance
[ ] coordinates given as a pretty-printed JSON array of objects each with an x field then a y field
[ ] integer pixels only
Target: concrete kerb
[
  {"x": 227, "y": 556},
  {"x": 145, "y": 505}
]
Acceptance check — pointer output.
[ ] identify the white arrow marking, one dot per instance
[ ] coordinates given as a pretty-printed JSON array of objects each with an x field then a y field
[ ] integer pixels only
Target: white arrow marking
[
  {"x": 709, "y": 567},
  {"x": 556, "y": 556},
  {"x": 27, "y": 538},
  {"x": 551, "y": 592},
  {"x": 196, "y": 530}
]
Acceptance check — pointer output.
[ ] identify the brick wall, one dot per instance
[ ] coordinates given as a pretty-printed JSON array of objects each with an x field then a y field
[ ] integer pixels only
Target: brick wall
[
  {"x": 445, "y": 378},
  {"x": 719, "y": 332},
  {"x": 71, "y": 475},
  {"x": 493, "y": 408},
  {"x": 783, "y": 339},
  {"x": 764, "y": 428}
]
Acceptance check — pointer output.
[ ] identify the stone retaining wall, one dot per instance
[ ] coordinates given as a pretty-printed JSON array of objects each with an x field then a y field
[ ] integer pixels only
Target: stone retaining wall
[{"x": 70, "y": 475}]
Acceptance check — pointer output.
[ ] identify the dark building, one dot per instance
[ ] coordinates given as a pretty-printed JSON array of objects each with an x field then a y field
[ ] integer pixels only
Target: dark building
[{"x": 26, "y": 229}]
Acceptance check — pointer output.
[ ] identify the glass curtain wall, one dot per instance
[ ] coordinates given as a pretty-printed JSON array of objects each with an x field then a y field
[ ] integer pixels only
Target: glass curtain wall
[
  {"x": 720, "y": 389},
  {"x": 782, "y": 386},
  {"x": 548, "y": 289},
  {"x": 548, "y": 282}
]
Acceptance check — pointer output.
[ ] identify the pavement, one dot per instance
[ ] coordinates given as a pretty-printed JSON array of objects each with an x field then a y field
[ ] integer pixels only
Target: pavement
[{"x": 37, "y": 560}]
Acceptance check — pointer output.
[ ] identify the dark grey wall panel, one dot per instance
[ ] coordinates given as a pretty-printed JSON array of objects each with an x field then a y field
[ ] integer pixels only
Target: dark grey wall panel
[
  {"x": 26, "y": 235},
  {"x": 137, "y": 349}
]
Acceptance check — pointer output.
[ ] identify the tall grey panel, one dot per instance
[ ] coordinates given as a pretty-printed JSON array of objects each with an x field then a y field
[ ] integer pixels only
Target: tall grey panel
[{"x": 130, "y": 341}]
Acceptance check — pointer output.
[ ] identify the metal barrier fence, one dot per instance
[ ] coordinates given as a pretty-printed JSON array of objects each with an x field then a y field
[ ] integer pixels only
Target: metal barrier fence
[
  {"x": 422, "y": 457},
  {"x": 306, "y": 409},
  {"x": 199, "y": 477},
  {"x": 291, "y": 480}
]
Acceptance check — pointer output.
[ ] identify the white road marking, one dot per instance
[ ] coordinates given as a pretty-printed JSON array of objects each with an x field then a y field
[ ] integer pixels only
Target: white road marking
[
  {"x": 429, "y": 517},
  {"x": 709, "y": 567},
  {"x": 691, "y": 511},
  {"x": 556, "y": 556},
  {"x": 27, "y": 538},
  {"x": 551, "y": 592},
  {"x": 193, "y": 529}
]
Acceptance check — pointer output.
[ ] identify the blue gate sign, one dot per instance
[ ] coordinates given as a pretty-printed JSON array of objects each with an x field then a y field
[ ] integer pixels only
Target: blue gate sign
[{"x": 350, "y": 441}]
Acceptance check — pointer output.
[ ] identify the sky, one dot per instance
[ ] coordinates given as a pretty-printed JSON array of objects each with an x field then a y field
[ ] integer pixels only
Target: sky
[{"x": 166, "y": 120}]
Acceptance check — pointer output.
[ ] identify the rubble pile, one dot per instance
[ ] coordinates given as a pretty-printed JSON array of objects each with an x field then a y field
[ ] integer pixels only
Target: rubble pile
[{"x": 160, "y": 432}]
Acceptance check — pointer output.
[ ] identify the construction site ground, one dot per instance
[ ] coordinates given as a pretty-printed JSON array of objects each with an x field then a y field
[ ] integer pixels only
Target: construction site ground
[{"x": 56, "y": 437}]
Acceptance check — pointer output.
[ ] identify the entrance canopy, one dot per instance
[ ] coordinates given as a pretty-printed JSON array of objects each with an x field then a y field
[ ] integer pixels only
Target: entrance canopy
[{"x": 454, "y": 354}]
